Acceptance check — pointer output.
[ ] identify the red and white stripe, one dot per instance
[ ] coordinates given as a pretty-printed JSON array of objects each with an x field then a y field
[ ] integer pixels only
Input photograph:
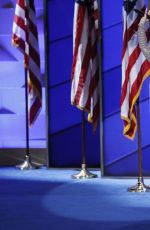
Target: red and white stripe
[
  {"x": 96, "y": 16},
  {"x": 135, "y": 68},
  {"x": 25, "y": 37},
  {"x": 85, "y": 71}
]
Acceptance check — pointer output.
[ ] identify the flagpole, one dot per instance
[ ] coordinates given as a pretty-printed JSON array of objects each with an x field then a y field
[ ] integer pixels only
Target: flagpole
[
  {"x": 101, "y": 94},
  {"x": 27, "y": 116},
  {"x": 48, "y": 142},
  {"x": 140, "y": 186},
  {"x": 139, "y": 140},
  {"x": 83, "y": 141},
  {"x": 25, "y": 13},
  {"x": 26, "y": 165},
  {"x": 84, "y": 173}
]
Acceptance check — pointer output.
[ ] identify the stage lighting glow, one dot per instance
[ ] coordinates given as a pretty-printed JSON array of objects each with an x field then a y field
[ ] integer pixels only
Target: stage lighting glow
[{"x": 98, "y": 200}]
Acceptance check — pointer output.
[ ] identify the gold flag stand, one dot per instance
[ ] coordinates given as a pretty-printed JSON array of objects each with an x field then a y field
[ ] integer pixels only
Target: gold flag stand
[
  {"x": 140, "y": 186},
  {"x": 84, "y": 173},
  {"x": 27, "y": 164}
]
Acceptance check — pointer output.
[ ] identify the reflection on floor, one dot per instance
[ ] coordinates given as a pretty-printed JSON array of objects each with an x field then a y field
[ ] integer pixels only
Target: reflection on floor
[{"x": 50, "y": 199}]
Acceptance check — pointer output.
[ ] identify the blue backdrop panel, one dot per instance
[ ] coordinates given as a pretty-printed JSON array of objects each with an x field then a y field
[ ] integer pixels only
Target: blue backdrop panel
[
  {"x": 12, "y": 91},
  {"x": 62, "y": 115},
  {"x": 120, "y": 154},
  {"x": 128, "y": 165},
  {"x": 112, "y": 45},
  {"x": 65, "y": 120},
  {"x": 60, "y": 19},
  {"x": 111, "y": 13},
  {"x": 68, "y": 151},
  {"x": 60, "y": 61},
  {"x": 111, "y": 80}
]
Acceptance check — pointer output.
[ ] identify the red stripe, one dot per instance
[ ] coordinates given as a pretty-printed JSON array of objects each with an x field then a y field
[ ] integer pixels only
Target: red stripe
[
  {"x": 79, "y": 27},
  {"x": 20, "y": 22},
  {"x": 21, "y": 3},
  {"x": 128, "y": 35},
  {"x": 34, "y": 55},
  {"x": 19, "y": 42},
  {"x": 85, "y": 65},
  {"x": 137, "y": 83},
  {"x": 93, "y": 85},
  {"x": 33, "y": 28},
  {"x": 35, "y": 82},
  {"x": 95, "y": 77},
  {"x": 83, "y": 73},
  {"x": 34, "y": 110},
  {"x": 132, "y": 60},
  {"x": 96, "y": 112}
]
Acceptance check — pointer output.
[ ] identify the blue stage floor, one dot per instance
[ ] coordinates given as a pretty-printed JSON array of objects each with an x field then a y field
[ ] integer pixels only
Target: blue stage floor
[{"x": 50, "y": 199}]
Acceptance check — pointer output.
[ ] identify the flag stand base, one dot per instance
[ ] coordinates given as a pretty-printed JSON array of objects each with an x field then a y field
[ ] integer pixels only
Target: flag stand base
[
  {"x": 139, "y": 187},
  {"x": 84, "y": 174},
  {"x": 27, "y": 165}
]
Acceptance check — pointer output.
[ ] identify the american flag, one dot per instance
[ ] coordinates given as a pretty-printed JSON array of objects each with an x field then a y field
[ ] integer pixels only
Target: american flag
[
  {"x": 85, "y": 70},
  {"x": 25, "y": 37},
  {"x": 135, "y": 67}
]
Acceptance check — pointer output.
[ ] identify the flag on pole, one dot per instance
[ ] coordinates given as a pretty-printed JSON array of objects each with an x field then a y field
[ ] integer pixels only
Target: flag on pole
[
  {"x": 25, "y": 37},
  {"x": 135, "y": 67},
  {"x": 85, "y": 70}
]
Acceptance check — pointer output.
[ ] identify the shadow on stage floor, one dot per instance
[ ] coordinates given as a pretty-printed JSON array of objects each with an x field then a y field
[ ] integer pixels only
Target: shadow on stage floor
[{"x": 50, "y": 199}]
